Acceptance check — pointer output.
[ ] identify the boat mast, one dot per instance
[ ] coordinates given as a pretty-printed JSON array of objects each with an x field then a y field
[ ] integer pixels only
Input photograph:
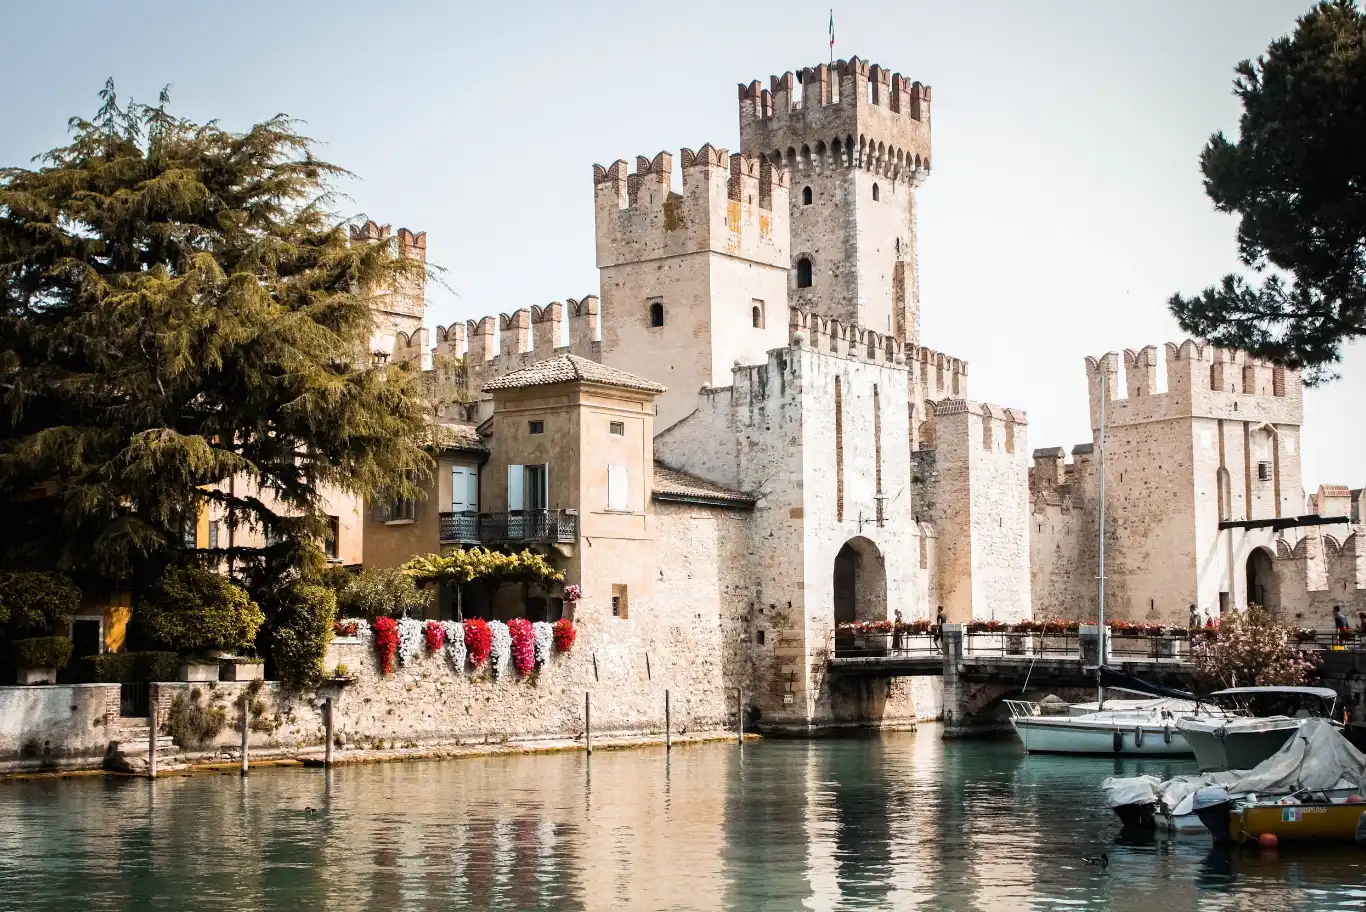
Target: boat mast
[{"x": 1100, "y": 579}]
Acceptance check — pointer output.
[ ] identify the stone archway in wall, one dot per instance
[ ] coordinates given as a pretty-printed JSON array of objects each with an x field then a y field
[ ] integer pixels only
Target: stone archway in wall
[
  {"x": 860, "y": 587},
  {"x": 1261, "y": 579}
]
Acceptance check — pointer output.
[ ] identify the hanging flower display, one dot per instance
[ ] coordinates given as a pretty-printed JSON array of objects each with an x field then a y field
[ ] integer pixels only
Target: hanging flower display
[
  {"x": 501, "y": 653},
  {"x": 573, "y": 592},
  {"x": 435, "y": 636},
  {"x": 409, "y": 640},
  {"x": 478, "y": 640},
  {"x": 455, "y": 644},
  {"x": 543, "y": 636},
  {"x": 523, "y": 645},
  {"x": 386, "y": 642},
  {"x": 564, "y": 634}
]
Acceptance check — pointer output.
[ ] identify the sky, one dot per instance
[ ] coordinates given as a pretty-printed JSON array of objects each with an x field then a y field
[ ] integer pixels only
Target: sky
[{"x": 1065, "y": 206}]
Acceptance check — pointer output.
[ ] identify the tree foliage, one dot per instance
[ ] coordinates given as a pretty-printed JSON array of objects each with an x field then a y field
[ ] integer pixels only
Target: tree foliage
[
  {"x": 1250, "y": 649},
  {"x": 179, "y": 308},
  {"x": 481, "y": 565},
  {"x": 192, "y": 610},
  {"x": 36, "y": 604},
  {"x": 1296, "y": 177},
  {"x": 380, "y": 593},
  {"x": 298, "y": 628}
]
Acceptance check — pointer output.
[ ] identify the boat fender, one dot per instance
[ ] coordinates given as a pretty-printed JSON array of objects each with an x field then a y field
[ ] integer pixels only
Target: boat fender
[
  {"x": 1167, "y": 734},
  {"x": 1119, "y": 741},
  {"x": 1138, "y": 736}
]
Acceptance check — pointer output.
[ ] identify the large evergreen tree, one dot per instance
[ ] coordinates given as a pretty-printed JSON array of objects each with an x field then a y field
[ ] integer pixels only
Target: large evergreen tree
[
  {"x": 180, "y": 309},
  {"x": 1297, "y": 178}
]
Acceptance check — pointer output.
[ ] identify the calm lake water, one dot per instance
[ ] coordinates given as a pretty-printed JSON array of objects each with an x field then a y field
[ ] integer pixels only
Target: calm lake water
[{"x": 894, "y": 822}]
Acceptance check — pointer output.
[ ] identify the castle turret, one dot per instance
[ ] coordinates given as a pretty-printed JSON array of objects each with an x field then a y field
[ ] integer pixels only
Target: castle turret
[
  {"x": 692, "y": 282},
  {"x": 854, "y": 140}
]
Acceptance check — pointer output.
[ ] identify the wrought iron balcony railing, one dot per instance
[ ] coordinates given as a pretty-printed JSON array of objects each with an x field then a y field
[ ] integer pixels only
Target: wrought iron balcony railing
[{"x": 556, "y": 526}]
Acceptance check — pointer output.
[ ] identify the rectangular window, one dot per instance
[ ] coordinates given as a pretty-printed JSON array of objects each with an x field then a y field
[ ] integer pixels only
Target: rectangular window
[
  {"x": 535, "y": 427},
  {"x": 537, "y": 487},
  {"x": 213, "y": 534},
  {"x": 402, "y": 511},
  {"x": 617, "y": 428},
  {"x": 333, "y": 534},
  {"x": 187, "y": 533},
  {"x": 464, "y": 489},
  {"x": 618, "y": 489},
  {"x": 621, "y": 607}
]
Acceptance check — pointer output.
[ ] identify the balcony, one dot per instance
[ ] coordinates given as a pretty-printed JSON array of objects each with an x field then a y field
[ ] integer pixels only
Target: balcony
[{"x": 545, "y": 526}]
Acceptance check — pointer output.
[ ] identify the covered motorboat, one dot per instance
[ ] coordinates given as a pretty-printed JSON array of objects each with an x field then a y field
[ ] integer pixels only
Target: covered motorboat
[
  {"x": 1261, "y": 720},
  {"x": 1315, "y": 768}
]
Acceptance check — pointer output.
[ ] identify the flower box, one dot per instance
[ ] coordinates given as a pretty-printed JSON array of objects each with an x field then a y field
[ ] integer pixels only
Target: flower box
[
  {"x": 241, "y": 670},
  {"x": 199, "y": 672}
]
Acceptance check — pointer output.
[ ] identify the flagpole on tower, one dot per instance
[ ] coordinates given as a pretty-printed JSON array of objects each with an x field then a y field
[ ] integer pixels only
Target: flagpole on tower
[{"x": 832, "y": 37}]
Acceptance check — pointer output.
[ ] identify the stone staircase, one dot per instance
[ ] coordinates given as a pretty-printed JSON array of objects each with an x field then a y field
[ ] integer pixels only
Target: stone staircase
[{"x": 128, "y": 748}]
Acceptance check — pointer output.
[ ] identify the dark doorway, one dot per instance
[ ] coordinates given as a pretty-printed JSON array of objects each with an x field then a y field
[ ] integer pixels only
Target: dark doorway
[
  {"x": 85, "y": 637},
  {"x": 859, "y": 590},
  {"x": 1261, "y": 577}
]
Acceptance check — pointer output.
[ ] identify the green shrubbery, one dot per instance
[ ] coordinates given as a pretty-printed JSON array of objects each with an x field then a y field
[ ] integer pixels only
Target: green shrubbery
[
  {"x": 36, "y": 604},
  {"x": 379, "y": 593},
  {"x": 300, "y": 627},
  {"x": 117, "y": 667},
  {"x": 41, "y": 652},
  {"x": 192, "y": 723},
  {"x": 192, "y": 610}
]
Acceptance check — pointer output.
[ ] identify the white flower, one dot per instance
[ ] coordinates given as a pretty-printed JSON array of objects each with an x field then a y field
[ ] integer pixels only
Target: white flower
[
  {"x": 409, "y": 639},
  {"x": 543, "y": 635},
  {"x": 500, "y": 652},
  {"x": 363, "y": 632},
  {"x": 455, "y": 643}
]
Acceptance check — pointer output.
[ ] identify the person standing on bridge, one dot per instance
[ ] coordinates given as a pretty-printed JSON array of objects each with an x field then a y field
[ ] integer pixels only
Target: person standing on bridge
[
  {"x": 1341, "y": 628},
  {"x": 898, "y": 627},
  {"x": 937, "y": 632},
  {"x": 1195, "y": 619}
]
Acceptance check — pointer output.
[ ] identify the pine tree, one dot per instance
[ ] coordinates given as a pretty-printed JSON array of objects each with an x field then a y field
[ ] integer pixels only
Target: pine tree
[
  {"x": 179, "y": 307},
  {"x": 1297, "y": 178}
]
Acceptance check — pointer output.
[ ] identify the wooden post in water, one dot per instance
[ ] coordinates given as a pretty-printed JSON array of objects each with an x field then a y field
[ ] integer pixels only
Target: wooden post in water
[
  {"x": 327, "y": 733},
  {"x": 587, "y": 723},
  {"x": 740, "y": 715},
  {"x": 151, "y": 731},
  {"x": 668, "y": 723},
  {"x": 246, "y": 723}
]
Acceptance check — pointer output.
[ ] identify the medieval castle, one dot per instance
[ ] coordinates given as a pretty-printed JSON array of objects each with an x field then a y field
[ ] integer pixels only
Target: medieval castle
[{"x": 756, "y": 445}]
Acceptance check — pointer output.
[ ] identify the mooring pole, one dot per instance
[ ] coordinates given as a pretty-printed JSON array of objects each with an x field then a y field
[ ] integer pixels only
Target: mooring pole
[
  {"x": 246, "y": 716},
  {"x": 327, "y": 733},
  {"x": 668, "y": 722},
  {"x": 587, "y": 723},
  {"x": 740, "y": 715},
  {"x": 151, "y": 731}
]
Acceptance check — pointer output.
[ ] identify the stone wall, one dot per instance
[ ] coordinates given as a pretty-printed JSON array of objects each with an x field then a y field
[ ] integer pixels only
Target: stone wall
[{"x": 56, "y": 726}]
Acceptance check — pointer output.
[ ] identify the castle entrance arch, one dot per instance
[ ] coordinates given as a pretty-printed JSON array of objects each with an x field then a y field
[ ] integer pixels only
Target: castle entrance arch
[
  {"x": 860, "y": 590},
  {"x": 1261, "y": 578}
]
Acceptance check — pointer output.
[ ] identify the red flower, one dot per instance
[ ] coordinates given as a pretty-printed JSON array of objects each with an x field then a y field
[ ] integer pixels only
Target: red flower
[
  {"x": 386, "y": 642},
  {"x": 345, "y": 628},
  {"x": 435, "y": 635},
  {"x": 564, "y": 634},
  {"x": 523, "y": 645},
  {"x": 478, "y": 641}
]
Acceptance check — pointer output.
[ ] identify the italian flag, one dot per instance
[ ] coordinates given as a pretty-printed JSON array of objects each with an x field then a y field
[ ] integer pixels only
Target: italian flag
[{"x": 832, "y": 31}]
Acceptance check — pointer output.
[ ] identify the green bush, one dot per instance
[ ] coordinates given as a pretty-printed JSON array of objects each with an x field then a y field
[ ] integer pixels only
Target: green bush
[
  {"x": 192, "y": 610},
  {"x": 118, "y": 667},
  {"x": 300, "y": 627},
  {"x": 36, "y": 604},
  {"x": 192, "y": 723},
  {"x": 380, "y": 593},
  {"x": 42, "y": 652}
]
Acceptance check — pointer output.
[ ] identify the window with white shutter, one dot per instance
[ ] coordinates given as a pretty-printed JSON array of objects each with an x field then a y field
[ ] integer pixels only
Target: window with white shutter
[{"x": 618, "y": 488}]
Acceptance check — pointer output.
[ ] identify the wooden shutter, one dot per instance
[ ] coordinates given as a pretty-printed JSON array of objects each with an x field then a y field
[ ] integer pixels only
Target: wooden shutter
[
  {"x": 618, "y": 488},
  {"x": 516, "y": 477}
]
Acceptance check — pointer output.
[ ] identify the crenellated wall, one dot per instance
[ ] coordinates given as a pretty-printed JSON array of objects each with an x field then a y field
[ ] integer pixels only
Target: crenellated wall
[{"x": 400, "y": 310}]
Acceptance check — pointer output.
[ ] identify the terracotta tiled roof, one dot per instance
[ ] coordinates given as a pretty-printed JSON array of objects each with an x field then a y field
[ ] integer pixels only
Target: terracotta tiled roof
[
  {"x": 569, "y": 368},
  {"x": 671, "y": 484},
  {"x": 458, "y": 435},
  {"x": 1332, "y": 490}
]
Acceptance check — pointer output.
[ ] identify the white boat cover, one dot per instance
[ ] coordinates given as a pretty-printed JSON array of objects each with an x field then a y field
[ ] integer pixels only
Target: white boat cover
[{"x": 1317, "y": 757}]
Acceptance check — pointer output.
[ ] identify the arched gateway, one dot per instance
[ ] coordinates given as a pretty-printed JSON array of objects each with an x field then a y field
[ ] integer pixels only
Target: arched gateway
[
  {"x": 860, "y": 585},
  {"x": 1261, "y": 579}
]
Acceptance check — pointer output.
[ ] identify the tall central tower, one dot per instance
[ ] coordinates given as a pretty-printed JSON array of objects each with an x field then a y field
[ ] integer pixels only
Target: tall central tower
[{"x": 854, "y": 140}]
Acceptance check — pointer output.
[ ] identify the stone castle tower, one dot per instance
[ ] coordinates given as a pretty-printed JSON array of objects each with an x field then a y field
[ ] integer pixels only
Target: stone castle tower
[{"x": 854, "y": 140}]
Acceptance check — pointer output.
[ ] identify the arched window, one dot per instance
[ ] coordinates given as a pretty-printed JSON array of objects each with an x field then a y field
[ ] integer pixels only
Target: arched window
[
  {"x": 804, "y": 273},
  {"x": 757, "y": 313},
  {"x": 877, "y": 194},
  {"x": 806, "y": 196},
  {"x": 657, "y": 313}
]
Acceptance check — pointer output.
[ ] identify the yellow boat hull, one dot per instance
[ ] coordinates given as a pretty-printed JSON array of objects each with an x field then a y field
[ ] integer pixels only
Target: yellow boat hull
[{"x": 1297, "y": 823}]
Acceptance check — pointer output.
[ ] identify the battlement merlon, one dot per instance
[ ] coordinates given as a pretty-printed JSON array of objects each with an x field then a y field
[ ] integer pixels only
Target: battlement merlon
[
  {"x": 1202, "y": 382},
  {"x": 524, "y": 337},
  {"x": 729, "y": 204},
  {"x": 861, "y": 105},
  {"x": 939, "y": 375}
]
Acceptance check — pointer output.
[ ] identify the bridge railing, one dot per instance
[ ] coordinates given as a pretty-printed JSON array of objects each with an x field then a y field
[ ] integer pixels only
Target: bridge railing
[
  {"x": 1054, "y": 644},
  {"x": 871, "y": 645}
]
